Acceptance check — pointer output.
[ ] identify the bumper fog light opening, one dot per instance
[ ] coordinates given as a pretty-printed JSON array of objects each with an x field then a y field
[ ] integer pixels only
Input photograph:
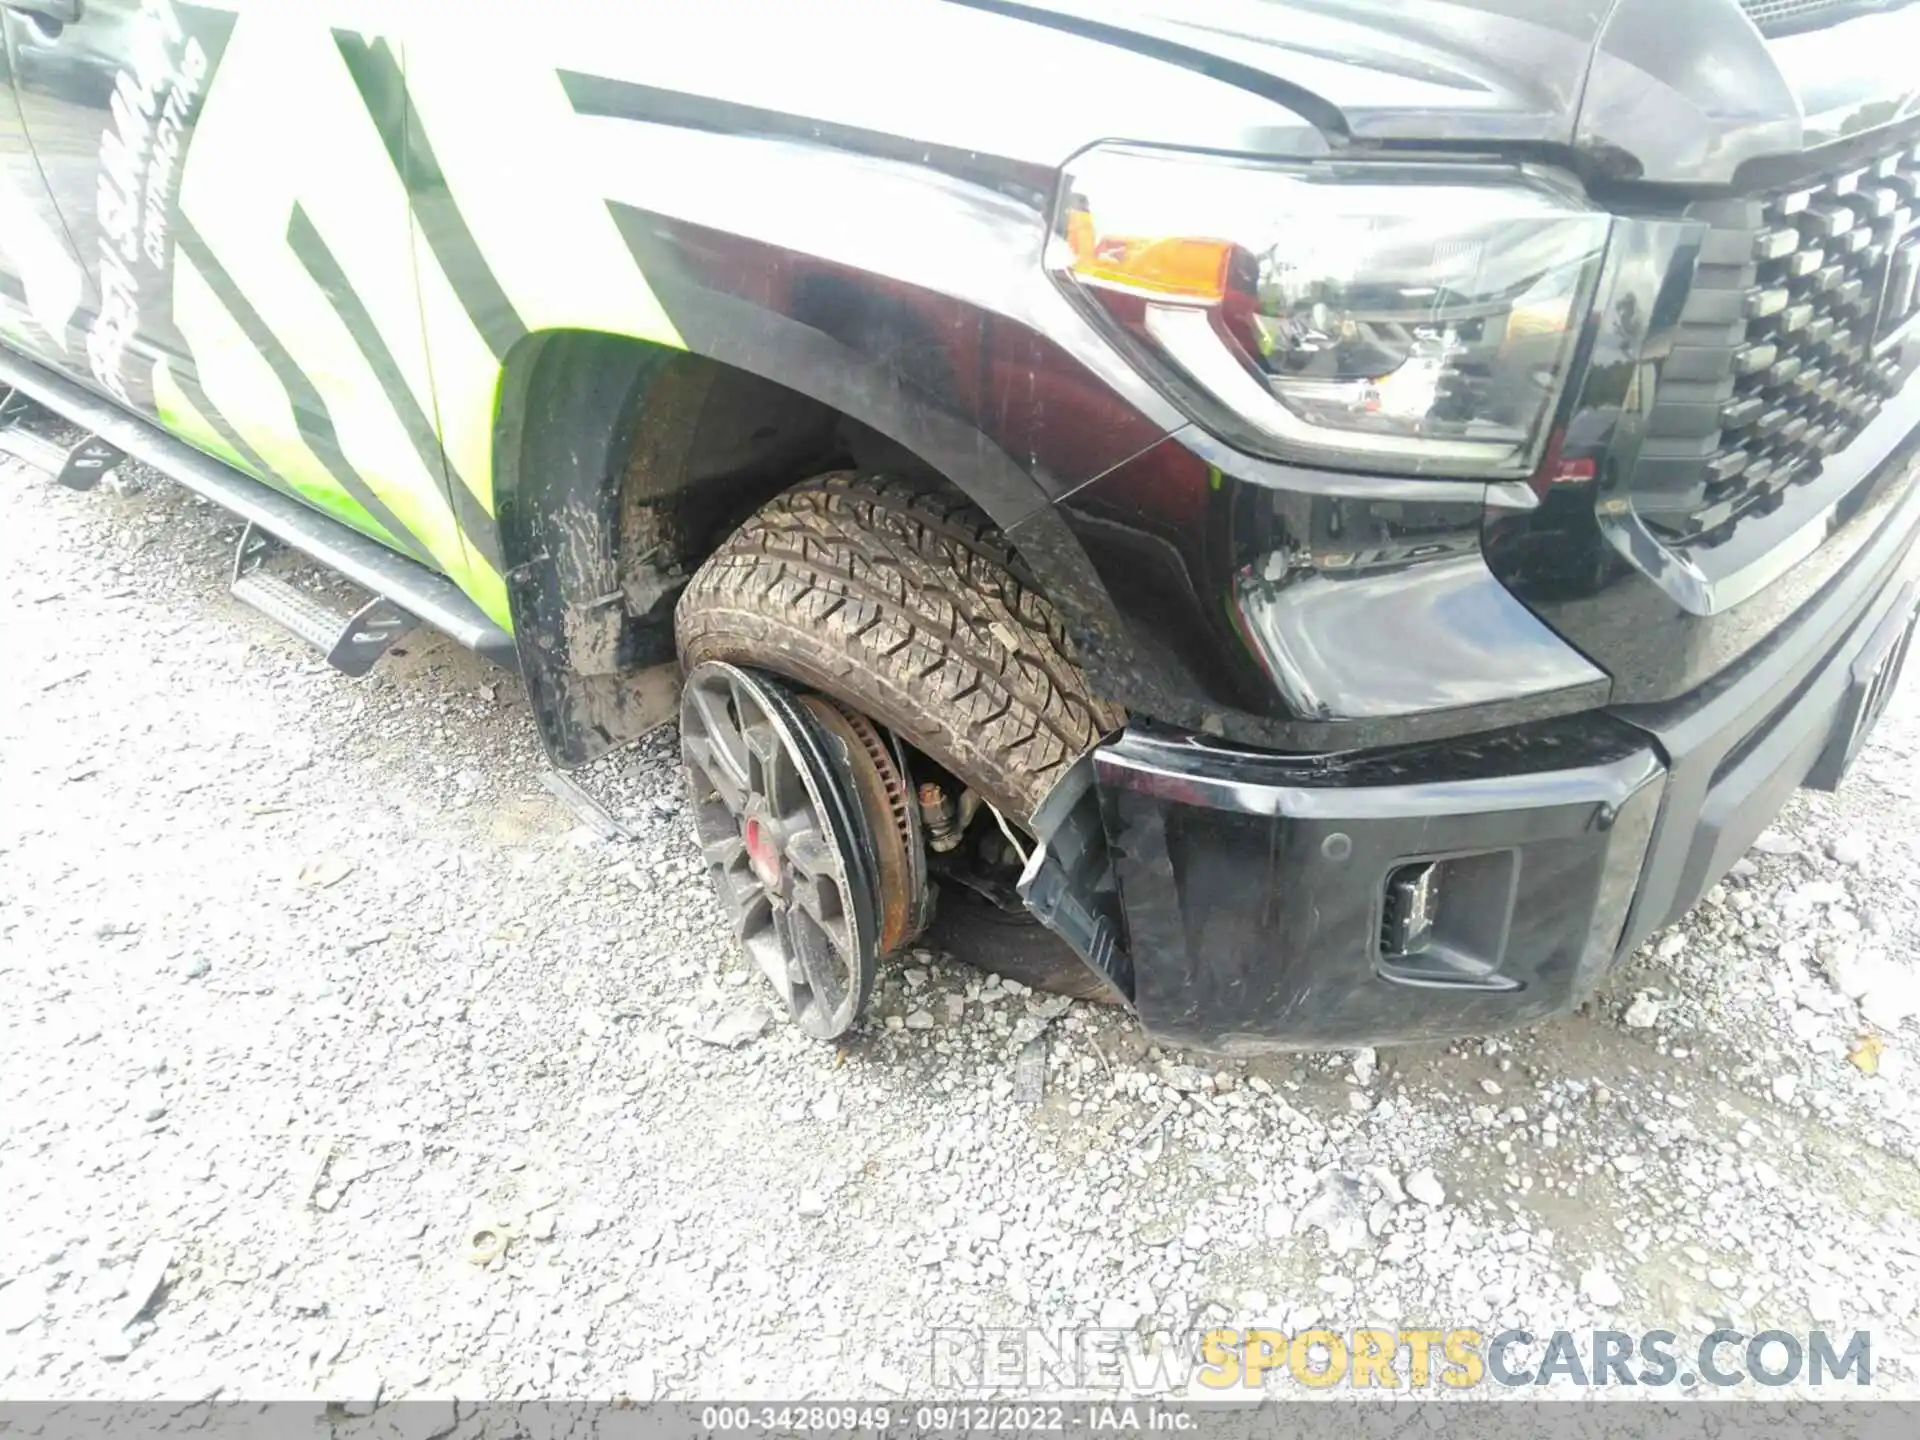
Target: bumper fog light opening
[
  {"x": 1406, "y": 924},
  {"x": 1444, "y": 920}
]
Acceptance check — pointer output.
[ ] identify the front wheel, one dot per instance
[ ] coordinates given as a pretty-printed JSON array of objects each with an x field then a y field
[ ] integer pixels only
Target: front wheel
[{"x": 899, "y": 599}]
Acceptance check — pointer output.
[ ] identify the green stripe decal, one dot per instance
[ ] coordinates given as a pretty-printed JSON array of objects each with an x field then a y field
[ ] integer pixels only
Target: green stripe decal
[
  {"x": 383, "y": 89},
  {"x": 476, "y": 525},
  {"x": 185, "y": 409},
  {"x": 311, "y": 416},
  {"x": 238, "y": 450},
  {"x": 253, "y": 407}
]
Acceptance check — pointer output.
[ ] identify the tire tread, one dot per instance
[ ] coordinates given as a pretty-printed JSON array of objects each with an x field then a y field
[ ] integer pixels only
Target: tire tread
[{"x": 899, "y": 596}]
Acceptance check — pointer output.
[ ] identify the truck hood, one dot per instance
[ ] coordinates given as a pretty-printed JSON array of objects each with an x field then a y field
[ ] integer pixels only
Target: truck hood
[{"x": 1677, "y": 91}]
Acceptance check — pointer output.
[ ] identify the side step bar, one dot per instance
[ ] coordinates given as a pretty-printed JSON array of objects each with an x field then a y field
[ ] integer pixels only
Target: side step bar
[
  {"x": 351, "y": 643},
  {"x": 78, "y": 467},
  {"x": 403, "y": 583}
]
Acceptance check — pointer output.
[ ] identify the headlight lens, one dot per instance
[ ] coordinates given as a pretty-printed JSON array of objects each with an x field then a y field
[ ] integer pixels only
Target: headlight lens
[{"x": 1410, "y": 318}]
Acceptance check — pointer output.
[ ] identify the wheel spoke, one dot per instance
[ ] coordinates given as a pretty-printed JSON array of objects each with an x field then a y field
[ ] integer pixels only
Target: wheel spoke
[
  {"x": 825, "y": 968},
  {"x": 767, "y": 942},
  {"x": 810, "y": 894},
  {"x": 726, "y": 749},
  {"x": 724, "y": 849},
  {"x": 808, "y": 852},
  {"x": 757, "y": 915},
  {"x": 757, "y": 733},
  {"x": 793, "y": 978},
  {"x": 716, "y": 767},
  {"x": 786, "y": 790}
]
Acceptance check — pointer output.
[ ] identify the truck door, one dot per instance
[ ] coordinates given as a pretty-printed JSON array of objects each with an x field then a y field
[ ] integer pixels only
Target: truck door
[
  {"x": 43, "y": 285},
  {"x": 229, "y": 193}
]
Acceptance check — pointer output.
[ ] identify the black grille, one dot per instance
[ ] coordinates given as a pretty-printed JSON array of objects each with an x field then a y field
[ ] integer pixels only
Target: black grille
[
  {"x": 1772, "y": 15},
  {"x": 1781, "y": 17},
  {"x": 1772, "y": 368},
  {"x": 1769, "y": 13}
]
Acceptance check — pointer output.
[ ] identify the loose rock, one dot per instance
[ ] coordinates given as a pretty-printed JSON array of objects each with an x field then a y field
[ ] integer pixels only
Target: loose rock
[
  {"x": 1425, "y": 1186},
  {"x": 1642, "y": 1013},
  {"x": 1600, "y": 1288}
]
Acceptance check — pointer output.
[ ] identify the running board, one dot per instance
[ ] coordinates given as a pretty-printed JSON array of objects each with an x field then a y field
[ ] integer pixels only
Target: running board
[
  {"x": 78, "y": 467},
  {"x": 405, "y": 584},
  {"x": 351, "y": 642}
]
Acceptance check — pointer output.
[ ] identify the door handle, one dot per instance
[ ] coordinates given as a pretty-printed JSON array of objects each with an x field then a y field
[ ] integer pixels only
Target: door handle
[{"x": 58, "y": 12}]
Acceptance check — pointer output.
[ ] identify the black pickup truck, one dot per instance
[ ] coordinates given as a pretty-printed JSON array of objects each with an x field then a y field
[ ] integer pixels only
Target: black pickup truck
[{"x": 1327, "y": 521}]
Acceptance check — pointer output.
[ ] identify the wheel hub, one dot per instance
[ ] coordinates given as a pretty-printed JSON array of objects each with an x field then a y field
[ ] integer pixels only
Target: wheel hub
[{"x": 762, "y": 852}]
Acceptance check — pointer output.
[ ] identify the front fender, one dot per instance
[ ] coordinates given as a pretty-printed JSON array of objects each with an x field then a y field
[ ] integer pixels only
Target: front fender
[{"x": 961, "y": 353}]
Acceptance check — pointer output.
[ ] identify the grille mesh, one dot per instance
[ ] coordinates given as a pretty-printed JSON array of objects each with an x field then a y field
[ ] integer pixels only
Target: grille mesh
[
  {"x": 1771, "y": 15},
  {"x": 1785, "y": 17},
  {"x": 1772, "y": 368}
]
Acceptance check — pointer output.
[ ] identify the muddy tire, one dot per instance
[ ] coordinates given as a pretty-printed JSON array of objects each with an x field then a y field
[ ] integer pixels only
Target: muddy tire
[{"x": 901, "y": 599}]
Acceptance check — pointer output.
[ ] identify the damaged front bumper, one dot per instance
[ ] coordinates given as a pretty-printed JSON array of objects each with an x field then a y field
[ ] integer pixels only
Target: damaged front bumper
[
  {"x": 1256, "y": 887},
  {"x": 1247, "y": 900}
]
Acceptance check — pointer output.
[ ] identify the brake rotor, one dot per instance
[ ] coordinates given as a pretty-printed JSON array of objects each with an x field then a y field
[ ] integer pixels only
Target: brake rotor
[
  {"x": 783, "y": 834},
  {"x": 878, "y": 777}
]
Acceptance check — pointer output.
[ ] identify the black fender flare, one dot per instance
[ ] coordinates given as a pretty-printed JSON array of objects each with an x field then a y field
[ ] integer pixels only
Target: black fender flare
[{"x": 568, "y": 416}]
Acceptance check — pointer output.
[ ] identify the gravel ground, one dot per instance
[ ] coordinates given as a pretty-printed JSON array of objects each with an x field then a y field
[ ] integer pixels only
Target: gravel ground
[{"x": 341, "y": 1059}]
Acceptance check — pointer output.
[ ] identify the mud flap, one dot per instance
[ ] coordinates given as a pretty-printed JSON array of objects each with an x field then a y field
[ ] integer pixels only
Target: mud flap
[{"x": 1069, "y": 882}]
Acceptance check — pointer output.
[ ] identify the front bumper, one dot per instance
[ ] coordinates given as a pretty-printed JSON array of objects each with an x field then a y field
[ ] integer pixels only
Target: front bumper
[{"x": 1253, "y": 884}]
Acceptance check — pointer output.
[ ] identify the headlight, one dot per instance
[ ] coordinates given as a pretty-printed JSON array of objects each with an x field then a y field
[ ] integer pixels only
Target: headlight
[{"x": 1407, "y": 318}]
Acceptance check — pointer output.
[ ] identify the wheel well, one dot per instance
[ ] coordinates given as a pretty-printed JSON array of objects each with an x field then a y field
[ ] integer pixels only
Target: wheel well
[
  {"x": 619, "y": 466},
  {"x": 711, "y": 444}
]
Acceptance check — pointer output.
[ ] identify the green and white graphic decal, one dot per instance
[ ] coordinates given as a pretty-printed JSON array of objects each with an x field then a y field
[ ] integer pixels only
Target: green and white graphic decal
[
  {"x": 322, "y": 230},
  {"x": 512, "y": 230},
  {"x": 154, "y": 93},
  {"x": 42, "y": 313},
  {"x": 293, "y": 232}
]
